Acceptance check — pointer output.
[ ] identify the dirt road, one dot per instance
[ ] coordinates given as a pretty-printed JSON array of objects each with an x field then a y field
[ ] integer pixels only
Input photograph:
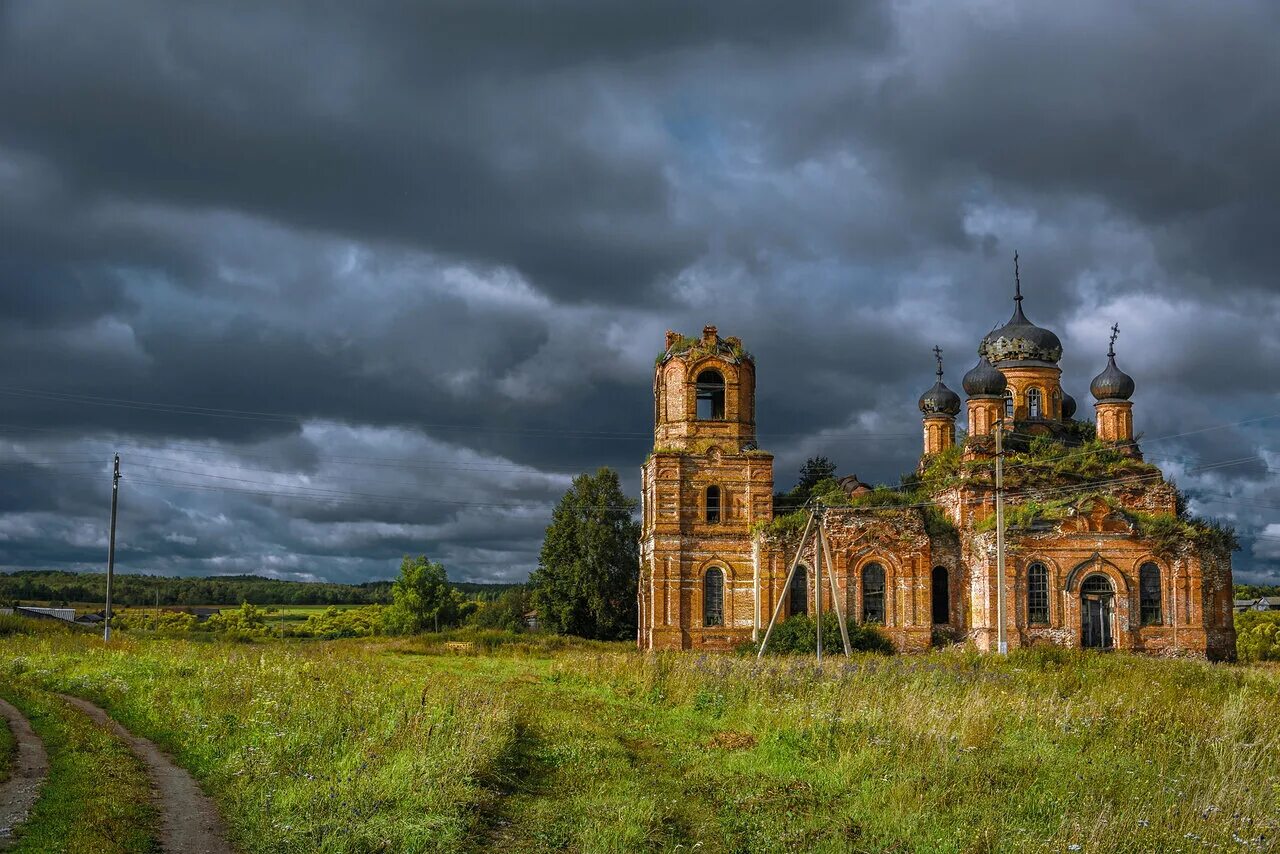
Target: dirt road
[
  {"x": 189, "y": 821},
  {"x": 30, "y": 768}
]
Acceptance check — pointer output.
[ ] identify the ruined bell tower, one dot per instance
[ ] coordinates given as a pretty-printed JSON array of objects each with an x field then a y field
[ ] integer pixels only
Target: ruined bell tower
[{"x": 704, "y": 485}]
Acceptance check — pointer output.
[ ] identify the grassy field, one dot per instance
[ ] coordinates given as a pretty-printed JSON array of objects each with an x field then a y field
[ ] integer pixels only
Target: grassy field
[
  {"x": 277, "y": 612},
  {"x": 548, "y": 745}
]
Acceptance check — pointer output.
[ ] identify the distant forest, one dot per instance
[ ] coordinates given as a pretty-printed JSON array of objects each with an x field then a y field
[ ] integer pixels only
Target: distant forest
[
  {"x": 58, "y": 586},
  {"x": 1256, "y": 591}
]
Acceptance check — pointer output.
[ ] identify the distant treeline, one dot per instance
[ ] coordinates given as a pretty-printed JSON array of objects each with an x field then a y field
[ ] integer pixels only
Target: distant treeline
[
  {"x": 1256, "y": 591},
  {"x": 58, "y": 586}
]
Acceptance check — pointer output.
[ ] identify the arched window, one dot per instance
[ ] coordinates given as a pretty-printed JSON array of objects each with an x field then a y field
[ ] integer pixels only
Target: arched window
[
  {"x": 1149, "y": 594},
  {"x": 1008, "y": 403},
  {"x": 710, "y": 386},
  {"x": 1038, "y": 595},
  {"x": 798, "y": 595},
  {"x": 1035, "y": 405},
  {"x": 1097, "y": 585},
  {"x": 941, "y": 595},
  {"x": 1055, "y": 409},
  {"x": 713, "y": 504},
  {"x": 713, "y": 598},
  {"x": 873, "y": 593}
]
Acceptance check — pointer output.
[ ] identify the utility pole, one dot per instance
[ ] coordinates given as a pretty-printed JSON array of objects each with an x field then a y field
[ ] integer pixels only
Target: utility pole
[
  {"x": 111, "y": 547},
  {"x": 817, "y": 581},
  {"x": 1002, "y": 644}
]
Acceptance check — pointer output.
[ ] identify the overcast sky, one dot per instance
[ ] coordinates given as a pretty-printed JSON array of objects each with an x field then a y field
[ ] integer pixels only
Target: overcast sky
[{"x": 346, "y": 281}]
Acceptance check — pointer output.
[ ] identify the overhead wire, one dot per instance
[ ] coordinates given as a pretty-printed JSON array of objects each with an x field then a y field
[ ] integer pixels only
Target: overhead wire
[{"x": 296, "y": 491}]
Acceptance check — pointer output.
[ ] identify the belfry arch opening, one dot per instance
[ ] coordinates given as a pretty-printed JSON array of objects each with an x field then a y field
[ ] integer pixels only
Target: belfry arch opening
[{"x": 710, "y": 389}]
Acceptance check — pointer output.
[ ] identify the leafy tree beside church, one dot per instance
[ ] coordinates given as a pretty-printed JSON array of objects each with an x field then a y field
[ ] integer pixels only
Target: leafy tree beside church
[{"x": 585, "y": 583}]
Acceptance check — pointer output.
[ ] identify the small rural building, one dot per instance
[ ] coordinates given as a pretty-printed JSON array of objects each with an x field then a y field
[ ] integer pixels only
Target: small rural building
[{"x": 67, "y": 615}]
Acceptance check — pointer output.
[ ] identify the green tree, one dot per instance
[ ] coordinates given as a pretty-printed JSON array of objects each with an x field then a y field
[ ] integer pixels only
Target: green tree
[
  {"x": 585, "y": 583},
  {"x": 814, "y": 471},
  {"x": 505, "y": 612},
  {"x": 421, "y": 598}
]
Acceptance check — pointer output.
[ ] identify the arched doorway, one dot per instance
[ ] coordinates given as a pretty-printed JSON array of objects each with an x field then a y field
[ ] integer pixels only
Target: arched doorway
[
  {"x": 941, "y": 595},
  {"x": 1097, "y": 598}
]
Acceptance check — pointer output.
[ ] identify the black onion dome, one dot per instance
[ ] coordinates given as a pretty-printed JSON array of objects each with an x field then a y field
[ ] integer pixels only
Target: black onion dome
[
  {"x": 1020, "y": 340},
  {"x": 1113, "y": 383},
  {"x": 984, "y": 380},
  {"x": 1068, "y": 405},
  {"x": 940, "y": 400}
]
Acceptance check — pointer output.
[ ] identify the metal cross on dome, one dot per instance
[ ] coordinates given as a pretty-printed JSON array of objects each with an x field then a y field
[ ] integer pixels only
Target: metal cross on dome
[
  {"x": 1115, "y": 331},
  {"x": 937, "y": 354}
]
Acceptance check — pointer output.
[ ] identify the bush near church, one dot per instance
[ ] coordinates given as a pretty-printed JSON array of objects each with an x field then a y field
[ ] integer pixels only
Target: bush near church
[
  {"x": 1258, "y": 636},
  {"x": 798, "y": 634}
]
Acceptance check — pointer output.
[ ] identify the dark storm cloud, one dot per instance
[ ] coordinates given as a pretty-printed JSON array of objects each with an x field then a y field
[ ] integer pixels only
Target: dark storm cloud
[{"x": 420, "y": 256}]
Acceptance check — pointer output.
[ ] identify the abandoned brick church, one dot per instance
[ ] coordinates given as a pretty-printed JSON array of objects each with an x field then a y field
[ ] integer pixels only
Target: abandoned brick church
[{"x": 1098, "y": 552}]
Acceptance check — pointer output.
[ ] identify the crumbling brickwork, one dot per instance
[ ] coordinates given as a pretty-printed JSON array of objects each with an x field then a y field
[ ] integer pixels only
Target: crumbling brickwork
[{"x": 713, "y": 572}]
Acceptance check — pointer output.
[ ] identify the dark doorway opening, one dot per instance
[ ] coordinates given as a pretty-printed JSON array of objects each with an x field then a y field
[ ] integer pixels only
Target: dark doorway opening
[
  {"x": 941, "y": 595},
  {"x": 1097, "y": 602}
]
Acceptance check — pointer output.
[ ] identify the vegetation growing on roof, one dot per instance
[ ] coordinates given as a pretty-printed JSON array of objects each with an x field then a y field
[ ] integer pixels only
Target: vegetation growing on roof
[
  {"x": 1167, "y": 532},
  {"x": 696, "y": 347},
  {"x": 782, "y": 527},
  {"x": 1080, "y": 431},
  {"x": 831, "y": 494},
  {"x": 1043, "y": 462}
]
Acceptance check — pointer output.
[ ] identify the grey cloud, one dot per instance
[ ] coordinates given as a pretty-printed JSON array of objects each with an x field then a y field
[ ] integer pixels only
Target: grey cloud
[{"x": 470, "y": 223}]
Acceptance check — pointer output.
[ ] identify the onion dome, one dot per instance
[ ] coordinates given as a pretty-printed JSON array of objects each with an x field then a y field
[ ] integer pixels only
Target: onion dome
[
  {"x": 1112, "y": 383},
  {"x": 940, "y": 400},
  {"x": 1068, "y": 405},
  {"x": 984, "y": 380},
  {"x": 1020, "y": 340}
]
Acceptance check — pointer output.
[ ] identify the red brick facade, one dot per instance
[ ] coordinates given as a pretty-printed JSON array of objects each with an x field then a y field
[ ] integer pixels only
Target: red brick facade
[{"x": 709, "y": 581}]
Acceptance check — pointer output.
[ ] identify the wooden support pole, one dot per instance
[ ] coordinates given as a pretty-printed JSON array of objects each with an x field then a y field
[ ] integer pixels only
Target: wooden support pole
[
  {"x": 817, "y": 580},
  {"x": 785, "y": 587},
  {"x": 835, "y": 592}
]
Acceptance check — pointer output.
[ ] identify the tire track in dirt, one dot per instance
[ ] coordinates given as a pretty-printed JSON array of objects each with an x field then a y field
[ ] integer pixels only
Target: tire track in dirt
[
  {"x": 189, "y": 821},
  {"x": 19, "y": 792}
]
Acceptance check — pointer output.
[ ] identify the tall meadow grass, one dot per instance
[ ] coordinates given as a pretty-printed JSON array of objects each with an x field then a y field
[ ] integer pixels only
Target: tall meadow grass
[{"x": 306, "y": 748}]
